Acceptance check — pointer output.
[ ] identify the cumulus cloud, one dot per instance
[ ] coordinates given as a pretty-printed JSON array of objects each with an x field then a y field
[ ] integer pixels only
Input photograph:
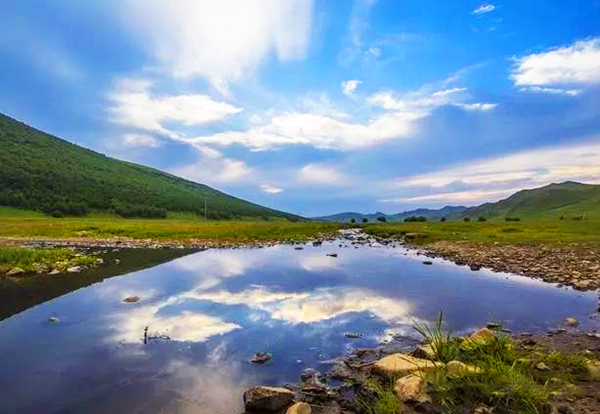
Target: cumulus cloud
[
  {"x": 484, "y": 8},
  {"x": 215, "y": 169},
  {"x": 578, "y": 64},
  {"x": 321, "y": 174},
  {"x": 349, "y": 86},
  {"x": 270, "y": 189},
  {"x": 140, "y": 140},
  {"x": 134, "y": 105},
  {"x": 223, "y": 41},
  {"x": 493, "y": 178}
]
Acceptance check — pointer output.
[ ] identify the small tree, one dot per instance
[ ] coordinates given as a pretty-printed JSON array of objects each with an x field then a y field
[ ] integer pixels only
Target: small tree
[
  {"x": 443, "y": 219},
  {"x": 481, "y": 218},
  {"x": 381, "y": 219},
  {"x": 466, "y": 219},
  {"x": 365, "y": 220},
  {"x": 352, "y": 220}
]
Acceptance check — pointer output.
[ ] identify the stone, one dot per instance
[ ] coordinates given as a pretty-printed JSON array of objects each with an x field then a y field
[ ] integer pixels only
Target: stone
[
  {"x": 352, "y": 335},
  {"x": 267, "y": 399},
  {"x": 457, "y": 367},
  {"x": 131, "y": 299},
  {"x": 332, "y": 255},
  {"x": 428, "y": 262},
  {"x": 299, "y": 408},
  {"x": 15, "y": 271},
  {"x": 482, "y": 336},
  {"x": 298, "y": 248},
  {"x": 493, "y": 325},
  {"x": 540, "y": 366},
  {"x": 53, "y": 319},
  {"x": 411, "y": 388},
  {"x": 593, "y": 369},
  {"x": 74, "y": 269},
  {"x": 572, "y": 322},
  {"x": 261, "y": 357},
  {"x": 402, "y": 364},
  {"x": 54, "y": 272},
  {"x": 424, "y": 351},
  {"x": 117, "y": 261}
]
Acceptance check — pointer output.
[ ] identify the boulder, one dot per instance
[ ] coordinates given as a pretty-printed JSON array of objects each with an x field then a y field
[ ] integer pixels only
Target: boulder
[
  {"x": 457, "y": 367},
  {"x": 402, "y": 364},
  {"x": 53, "y": 319},
  {"x": 593, "y": 369},
  {"x": 54, "y": 272},
  {"x": 540, "y": 366},
  {"x": 424, "y": 351},
  {"x": 267, "y": 399},
  {"x": 15, "y": 271},
  {"x": 74, "y": 269},
  {"x": 411, "y": 388},
  {"x": 481, "y": 336},
  {"x": 299, "y": 408},
  {"x": 571, "y": 322},
  {"x": 261, "y": 357}
]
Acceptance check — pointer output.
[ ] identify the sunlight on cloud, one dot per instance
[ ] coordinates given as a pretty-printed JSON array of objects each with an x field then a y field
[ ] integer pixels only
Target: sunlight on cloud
[
  {"x": 222, "y": 41},
  {"x": 322, "y": 175},
  {"x": 349, "y": 86},
  {"x": 140, "y": 140},
  {"x": 269, "y": 189},
  {"x": 484, "y": 8},
  {"x": 578, "y": 64}
]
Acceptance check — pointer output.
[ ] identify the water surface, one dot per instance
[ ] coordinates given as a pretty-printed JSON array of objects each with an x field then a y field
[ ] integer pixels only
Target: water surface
[{"x": 218, "y": 307}]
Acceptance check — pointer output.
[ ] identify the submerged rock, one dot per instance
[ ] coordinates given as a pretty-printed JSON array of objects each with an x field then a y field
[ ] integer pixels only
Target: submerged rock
[
  {"x": 352, "y": 335},
  {"x": 428, "y": 262},
  {"x": 53, "y": 319},
  {"x": 261, "y": 357},
  {"x": 332, "y": 255},
  {"x": 267, "y": 399},
  {"x": 572, "y": 322},
  {"x": 131, "y": 299}
]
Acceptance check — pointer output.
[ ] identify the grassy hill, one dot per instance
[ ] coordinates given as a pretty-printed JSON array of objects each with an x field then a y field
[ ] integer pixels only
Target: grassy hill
[
  {"x": 43, "y": 172},
  {"x": 567, "y": 200}
]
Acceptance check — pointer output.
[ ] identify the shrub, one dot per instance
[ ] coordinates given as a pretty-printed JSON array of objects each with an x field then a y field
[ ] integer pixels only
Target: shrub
[
  {"x": 415, "y": 219},
  {"x": 512, "y": 219},
  {"x": 443, "y": 219},
  {"x": 352, "y": 220},
  {"x": 481, "y": 219},
  {"x": 466, "y": 219},
  {"x": 365, "y": 220},
  {"x": 381, "y": 219}
]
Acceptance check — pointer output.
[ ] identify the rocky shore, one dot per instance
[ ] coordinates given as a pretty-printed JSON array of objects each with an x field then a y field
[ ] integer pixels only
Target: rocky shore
[
  {"x": 574, "y": 266},
  {"x": 565, "y": 364}
]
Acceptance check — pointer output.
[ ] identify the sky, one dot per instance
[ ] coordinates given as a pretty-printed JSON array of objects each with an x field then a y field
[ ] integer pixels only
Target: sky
[{"x": 318, "y": 107}]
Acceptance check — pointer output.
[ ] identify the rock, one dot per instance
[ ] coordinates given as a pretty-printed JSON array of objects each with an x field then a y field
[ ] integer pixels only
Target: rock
[
  {"x": 493, "y": 325},
  {"x": 572, "y": 322},
  {"x": 99, "y": 261},
  {"x": 593, "y": 369},
  {"x": 317, "y": 243},
  {"x": 309, "y": 373},
  {"x": 411, "y": 388},
  {"x": 298, "y": 248},
  {"x": 54, "y": 272},
  {"x": 481, "y": 336},
  {"x": 299, "y": 408},
  {"x": 53, "y": 319},
  {"x": 261, "y": 357},
  {"x": 402, "y": 364},
  {"x": 540, "y": 366},
  {"x": 74, "y": 269},
  {"x": 15, "y": 271},
  {"x": 267, "y": 399},
  {"x": 332, "y": 255},
  {"x": 428, "y": 262},
  {"x": 457, "y": 367},
  {"x": 475, "y": 267},
  {"x": 352, "y": 335},
  {"x": 424, "y": 351},
  {"x": 483, "y": 409},
  {"x": 131, "y": 299},
  {"x": 117, "y": 261}
]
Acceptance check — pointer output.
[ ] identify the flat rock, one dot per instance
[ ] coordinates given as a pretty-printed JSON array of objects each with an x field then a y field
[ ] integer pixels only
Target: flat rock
[
  {"x": 131, "y": 299},
  {"x": 54, "y": 272},
  {"x": 402, "y": 364},
  {"x": 457, "y": 367},
  {"x": 53, "y": 319},
  {"x": 299, "y": 408},
  {"x": 267, "y": 399},
  {"x": 74, "y": 269},
  {"x": 411, "y": 388},
  {"x": 15, "y": 271}
]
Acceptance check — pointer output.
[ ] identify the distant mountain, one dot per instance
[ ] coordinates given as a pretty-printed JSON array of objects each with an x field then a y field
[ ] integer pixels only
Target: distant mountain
[
  {"x": 42, "y": 172},
  {"x": 568, "y": 199},
  {"x": 429, "y": 213}
]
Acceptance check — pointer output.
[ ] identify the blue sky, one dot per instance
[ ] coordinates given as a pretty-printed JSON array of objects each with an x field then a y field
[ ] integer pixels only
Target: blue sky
[{"x": 318, "y": 107}]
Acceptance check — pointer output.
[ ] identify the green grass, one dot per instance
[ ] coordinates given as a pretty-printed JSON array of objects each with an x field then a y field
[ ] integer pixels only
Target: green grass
[
  {"x": 540, "y": 231},
  {"x": 379, "y": 399},
  {"x": 30, "y": 259},
  {"x": 180, "y": 228}
]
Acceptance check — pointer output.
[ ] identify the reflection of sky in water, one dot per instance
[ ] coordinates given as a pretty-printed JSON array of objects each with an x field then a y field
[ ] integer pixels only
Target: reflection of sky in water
[{"x": 221, "y": 306}]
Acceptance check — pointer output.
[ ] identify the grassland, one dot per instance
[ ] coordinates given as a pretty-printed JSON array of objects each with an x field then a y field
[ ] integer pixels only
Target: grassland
[
  {"x": 31, "y": 259},
  {"x": 540, "y": 232},
  {"x": 181, "y": 228}
]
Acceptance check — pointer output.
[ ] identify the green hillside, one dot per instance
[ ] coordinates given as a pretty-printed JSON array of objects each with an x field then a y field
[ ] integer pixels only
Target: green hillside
[
  {"x": 424, "y": 212},
  {"x": 42, "y": 172},
  {"x": 567, "y": 200}
]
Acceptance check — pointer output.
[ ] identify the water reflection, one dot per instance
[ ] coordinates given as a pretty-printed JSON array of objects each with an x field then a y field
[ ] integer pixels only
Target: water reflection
[{"x": 219, "y": 307}]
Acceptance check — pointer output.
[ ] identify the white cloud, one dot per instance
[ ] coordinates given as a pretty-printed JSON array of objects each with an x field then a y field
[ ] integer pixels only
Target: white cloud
[
  {"x": 215, "y": 170},
  {"x": 578, "y": 64},
  {"x": 490, "y": 179},
  {"x": 224, "y": 40},
  {"x": 477, "y": 106},
  {"x": 140, "y": 140},
  {"x": 270, "y": 189},
  {"x": 556, "y": 91},
  {"x": 322, "y": 175},
  {"x": 349, "y": 86},
  {"x": 484, "y": 8},
  {"x": 421, "y": 100},
  {"x": 133, "y": 105}
]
